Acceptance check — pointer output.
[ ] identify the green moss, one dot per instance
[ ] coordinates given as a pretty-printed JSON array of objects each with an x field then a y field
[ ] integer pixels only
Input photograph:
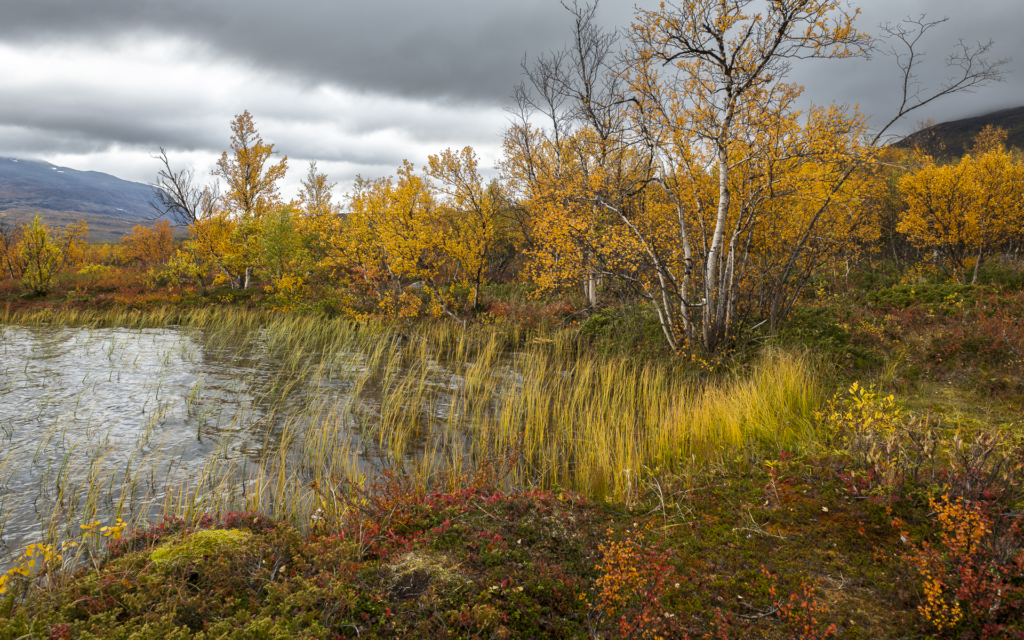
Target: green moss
[
  {"x": 902, "y": 296},
  {"x": 738, "y": 541},
  {"x": 199, "y": 544}
]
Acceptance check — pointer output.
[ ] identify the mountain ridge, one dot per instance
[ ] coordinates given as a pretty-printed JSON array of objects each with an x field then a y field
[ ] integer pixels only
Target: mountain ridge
[
  {"x": 956, "y": 136},
  {"x": 111, "y": 206}
]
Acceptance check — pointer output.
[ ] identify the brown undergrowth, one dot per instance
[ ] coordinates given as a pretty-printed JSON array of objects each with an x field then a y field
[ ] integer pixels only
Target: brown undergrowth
[
  {"x": 800, "y": 547},
  {"x": 900, "y": 518}
]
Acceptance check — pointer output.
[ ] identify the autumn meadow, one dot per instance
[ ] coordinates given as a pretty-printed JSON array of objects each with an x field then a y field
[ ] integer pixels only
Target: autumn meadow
[{"x": 696, "y": 364}]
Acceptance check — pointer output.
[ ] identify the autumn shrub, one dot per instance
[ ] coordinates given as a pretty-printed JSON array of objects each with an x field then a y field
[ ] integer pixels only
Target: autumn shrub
[
  {"x": 802, "y": 611},
  {"x": 159, "y": 278},
  {"x": 41, "y": 255},
  {"x": 634, "y": 575},
  {"x": 290, "y": 293},
  {"x": 390, "y": 510},
  {"x": 531, "y": 314},
  {"x": 101, "y": 254},
  {"x": 972, "y": 573},
  {"x": 148, "y": 246},
  {"x": 37, "y": 560},
  {"x": 376, "y": 294},
  {"x": 96, "y": 278},
  {"x": 894, "y": 454},
  {"x": 384, "y": 513},
  {"x": 916, "y": 458},
  {"x": 994, "y": 339},
  {"x": 8, "y": 286},
  {"x": 93, "y": 270}
]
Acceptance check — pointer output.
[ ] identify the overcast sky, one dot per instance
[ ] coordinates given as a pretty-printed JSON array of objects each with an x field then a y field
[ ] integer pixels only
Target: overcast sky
[{"x": 357, "y": 86}]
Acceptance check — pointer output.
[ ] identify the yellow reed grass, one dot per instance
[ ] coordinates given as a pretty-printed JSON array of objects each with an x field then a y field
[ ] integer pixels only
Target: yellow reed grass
[{"x": 431, "y": 402}]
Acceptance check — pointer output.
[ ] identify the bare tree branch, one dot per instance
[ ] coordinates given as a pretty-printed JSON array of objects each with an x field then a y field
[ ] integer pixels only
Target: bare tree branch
[
  {"x": 970, "y": 66},
  {"x": 179, "y": 197}
]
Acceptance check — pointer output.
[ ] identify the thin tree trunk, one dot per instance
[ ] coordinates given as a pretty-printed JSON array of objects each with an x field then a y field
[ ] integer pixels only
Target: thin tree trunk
[
  {"x": 683, "y": 286},
  {"x": 590, "y": 289},
  {"x": 711, "y": 285}
]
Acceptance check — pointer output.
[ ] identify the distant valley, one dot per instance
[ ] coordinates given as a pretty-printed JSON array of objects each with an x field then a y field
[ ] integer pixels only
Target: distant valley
[{"x": 111, "y": 206}]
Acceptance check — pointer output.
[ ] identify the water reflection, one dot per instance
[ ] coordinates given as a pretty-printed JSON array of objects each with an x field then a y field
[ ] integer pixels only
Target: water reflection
[{"x": 101, "y": 421}]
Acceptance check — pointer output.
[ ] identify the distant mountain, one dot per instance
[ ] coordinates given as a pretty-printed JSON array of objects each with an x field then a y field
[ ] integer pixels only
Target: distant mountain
[
  {"x": 111, "y": 206},
  {"x": 956, "y": 136}
]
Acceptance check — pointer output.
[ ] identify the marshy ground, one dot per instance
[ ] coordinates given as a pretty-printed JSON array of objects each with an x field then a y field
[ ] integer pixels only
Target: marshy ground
[{"x": 521, "y": 479}]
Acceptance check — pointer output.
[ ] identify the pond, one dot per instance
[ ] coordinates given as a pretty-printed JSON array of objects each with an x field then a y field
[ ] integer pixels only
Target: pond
[
  {"x": 287, "y": 415},
  {"x": 98, "y": 423}
]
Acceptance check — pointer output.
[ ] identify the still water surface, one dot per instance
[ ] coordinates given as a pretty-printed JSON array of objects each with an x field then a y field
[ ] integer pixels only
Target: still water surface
[{"x": 101, "y": 421}]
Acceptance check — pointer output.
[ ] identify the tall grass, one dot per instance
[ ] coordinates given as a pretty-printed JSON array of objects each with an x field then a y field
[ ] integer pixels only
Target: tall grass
[{"x": 432, "y": 403}]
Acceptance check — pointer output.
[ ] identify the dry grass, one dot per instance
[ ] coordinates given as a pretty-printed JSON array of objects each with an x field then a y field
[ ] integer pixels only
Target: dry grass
[{"x": 431, "y": 404}]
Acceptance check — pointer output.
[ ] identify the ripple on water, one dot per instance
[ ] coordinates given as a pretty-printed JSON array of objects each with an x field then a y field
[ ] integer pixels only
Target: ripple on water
[{"x": 133, "y": 411}]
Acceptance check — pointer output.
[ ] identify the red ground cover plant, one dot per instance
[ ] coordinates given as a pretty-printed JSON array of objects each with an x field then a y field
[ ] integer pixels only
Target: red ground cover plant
[
  {"x": 972, "y": 574},
  {"x": 634, "y": 575}
]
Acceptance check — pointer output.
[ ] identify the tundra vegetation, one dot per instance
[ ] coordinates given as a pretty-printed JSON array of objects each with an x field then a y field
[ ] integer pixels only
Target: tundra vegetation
[{"x": 696, "y": 364}]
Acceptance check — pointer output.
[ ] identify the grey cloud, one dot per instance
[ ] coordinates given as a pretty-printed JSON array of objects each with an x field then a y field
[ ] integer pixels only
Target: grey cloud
[
  {"x": 874, "y": 84},
  {"x": 460, "y": 49},
  {"x": 191, "y": 110},
  {"x": 465, "y": 49},
  {"x": 416, "y": 75},
  {"x": 103, "y": 130}
]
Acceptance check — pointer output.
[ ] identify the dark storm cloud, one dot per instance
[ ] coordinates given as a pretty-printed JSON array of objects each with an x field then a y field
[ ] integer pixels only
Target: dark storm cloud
[
  {"x": 358, "y": 84},
  {"x": 80, "y": 99},
  {"x": 444, "y": 65},
  {"x": 459, "y": 49},
  {"x": 464, "y": 49},
  {"x": 97, "y": 126},
  {"x": 874, "y": 84}
]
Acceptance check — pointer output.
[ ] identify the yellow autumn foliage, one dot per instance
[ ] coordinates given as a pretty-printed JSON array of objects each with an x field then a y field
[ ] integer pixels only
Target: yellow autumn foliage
[{"x": 963, "y": 210}]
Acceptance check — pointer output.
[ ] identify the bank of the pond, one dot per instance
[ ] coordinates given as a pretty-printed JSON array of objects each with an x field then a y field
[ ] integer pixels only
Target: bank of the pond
[
  {"x": 741, "y": 551},
  {"x": 226, "y": 410},
  {"x": 780, "y": 514}
]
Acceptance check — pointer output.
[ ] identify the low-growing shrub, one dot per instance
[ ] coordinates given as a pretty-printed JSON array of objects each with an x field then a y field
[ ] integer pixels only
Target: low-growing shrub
[
  {"x": 894, "y": 454},
  {"x": 972, "y": 575},
  {"x": 902, "y": 296},
  {"x": 634, "y": 574}
]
